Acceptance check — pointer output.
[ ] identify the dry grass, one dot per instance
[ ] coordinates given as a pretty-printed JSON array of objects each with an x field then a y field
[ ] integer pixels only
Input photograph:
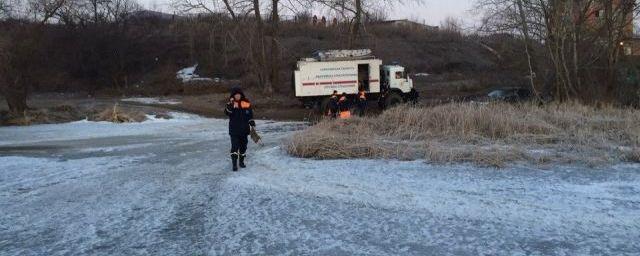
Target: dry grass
[
  {"x": 67, "y": 113},
  {"x": 633, "y": 155},
  {"x": 485, "y": 134},
  {"x": 24, "y": 119},
  {"x": 56, "y": 114},
  {"x": 118, "y": 115}
]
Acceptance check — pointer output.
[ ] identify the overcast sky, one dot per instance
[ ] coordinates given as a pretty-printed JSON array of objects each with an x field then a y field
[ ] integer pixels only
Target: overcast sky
[{"x": 430, "y": 11}]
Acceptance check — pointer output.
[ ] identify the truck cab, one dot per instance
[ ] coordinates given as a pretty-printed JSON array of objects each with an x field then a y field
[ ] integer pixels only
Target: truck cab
[{"x": 395, "y": 77}]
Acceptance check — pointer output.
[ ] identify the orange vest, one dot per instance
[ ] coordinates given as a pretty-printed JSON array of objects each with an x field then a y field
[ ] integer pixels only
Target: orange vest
[
  {"x": 345, "y": 114},
  {"x": 245, "y": 104}
]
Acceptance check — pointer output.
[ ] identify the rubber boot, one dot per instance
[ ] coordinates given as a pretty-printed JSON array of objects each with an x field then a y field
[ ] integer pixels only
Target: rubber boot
[
  {"x": 241, "y": 162},
  {"x": 234, "y": 161}
]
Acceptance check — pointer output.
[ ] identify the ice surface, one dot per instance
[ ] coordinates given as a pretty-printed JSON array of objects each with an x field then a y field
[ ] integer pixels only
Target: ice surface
[
  {"x": 91, "y": 130},
  {"x": 163, "y": 187}
]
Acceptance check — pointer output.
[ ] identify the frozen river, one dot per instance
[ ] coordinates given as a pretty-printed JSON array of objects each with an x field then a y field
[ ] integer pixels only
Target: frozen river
[{"x": 164, "y": 187}]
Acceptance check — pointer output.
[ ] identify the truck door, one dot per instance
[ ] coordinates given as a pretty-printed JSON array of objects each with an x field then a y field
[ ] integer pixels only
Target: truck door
[{"x": 363, "y": 76}]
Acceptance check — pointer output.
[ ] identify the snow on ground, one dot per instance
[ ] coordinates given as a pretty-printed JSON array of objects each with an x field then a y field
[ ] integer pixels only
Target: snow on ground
[
  {"x": 156, "y": 101},
  {"x": 163, "y": 187},
  {"x": 188, "y": 74}
]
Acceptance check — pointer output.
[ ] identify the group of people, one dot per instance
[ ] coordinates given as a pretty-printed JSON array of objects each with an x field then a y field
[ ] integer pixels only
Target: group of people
[
  {"x": 323, "y": 21},
  {"x": 340, "y": 106}
]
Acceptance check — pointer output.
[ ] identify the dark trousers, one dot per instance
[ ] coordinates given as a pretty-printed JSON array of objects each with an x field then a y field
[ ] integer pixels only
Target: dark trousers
[
  {"x": 239, "y": 144},
  {"x": 333, "y": 113},
  {"x": 362, "y": 106}
]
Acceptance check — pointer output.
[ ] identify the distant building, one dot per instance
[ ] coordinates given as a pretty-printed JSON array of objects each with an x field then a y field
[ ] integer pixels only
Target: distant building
[
  {"x": 632, "y": 46},
  {"x": 596, "y": 13}
]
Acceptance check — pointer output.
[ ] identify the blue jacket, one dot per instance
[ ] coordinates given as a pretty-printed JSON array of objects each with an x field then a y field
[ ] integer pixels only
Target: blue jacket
[{"x": 240, "y": 117}]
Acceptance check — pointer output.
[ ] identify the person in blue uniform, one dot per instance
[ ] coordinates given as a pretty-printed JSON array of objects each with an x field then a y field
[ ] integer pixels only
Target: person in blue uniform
[{"x": 240, "y": 114}]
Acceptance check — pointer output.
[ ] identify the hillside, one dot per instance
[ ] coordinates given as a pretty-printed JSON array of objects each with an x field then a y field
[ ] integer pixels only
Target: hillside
[{"x": 142, "y": 56}]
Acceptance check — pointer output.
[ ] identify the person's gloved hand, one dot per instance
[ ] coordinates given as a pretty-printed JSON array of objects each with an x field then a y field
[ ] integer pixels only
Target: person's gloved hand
[{"x": 252, "y": 123}]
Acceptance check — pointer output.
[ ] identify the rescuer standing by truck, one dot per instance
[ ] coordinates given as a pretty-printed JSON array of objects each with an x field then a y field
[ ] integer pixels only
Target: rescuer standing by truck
[
  {"x": 344, "y": 106},
  {"x": 361, "y": 102},
  {"x": 241, "y": 122},
  {"x": 333, "y": 105}
]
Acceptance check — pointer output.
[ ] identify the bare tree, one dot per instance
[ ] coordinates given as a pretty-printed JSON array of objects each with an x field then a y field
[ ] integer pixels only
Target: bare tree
[
  {"x": 4, "y": 8},
  {"x": 235, "y": 8},
  {"x": 9, "y": 8},
  {"x": 348, "y": 9},
  {"x": 617, "y": 28},
  {"x": 527, "y": 38},
  {"x": 452, "y": 25},
  {"x": 96, "y": 12},
  {"x": 275, "y": 49},
  {"x": 118, "y": 11},
  {"x": 358, "y": 11},
  {"x": 261, "y": 50},
  {"x": 97, "y": 9},
  {"x": 21, "y": 50},
  {"x": 44, "y": 10},
  {"x": 582, "y": 37},
  {"x": 265, "y": 64}
]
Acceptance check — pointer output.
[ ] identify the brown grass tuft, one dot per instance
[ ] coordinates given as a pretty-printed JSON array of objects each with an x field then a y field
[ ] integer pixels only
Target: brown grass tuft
[
  {"x": 117, "y": 115},
  {"x": 493, "y": 134}
]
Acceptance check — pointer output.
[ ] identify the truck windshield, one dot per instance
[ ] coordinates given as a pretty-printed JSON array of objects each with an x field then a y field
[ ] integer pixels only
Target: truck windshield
[{"x": 400, "y": 75}]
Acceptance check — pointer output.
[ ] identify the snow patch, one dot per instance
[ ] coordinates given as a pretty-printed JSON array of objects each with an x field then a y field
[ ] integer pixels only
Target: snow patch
[
  {"x": 154, "y": 101},
  {"x": 188, "y": 74},
  {"x": 115, "y": 148}
]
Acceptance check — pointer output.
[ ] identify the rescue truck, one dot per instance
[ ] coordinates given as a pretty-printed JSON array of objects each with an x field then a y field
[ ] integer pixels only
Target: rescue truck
[{"x": 315, "y": 78}]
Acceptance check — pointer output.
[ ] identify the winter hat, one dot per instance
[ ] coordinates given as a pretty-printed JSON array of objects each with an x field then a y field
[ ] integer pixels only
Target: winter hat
[{"x": 236, "y": 90}]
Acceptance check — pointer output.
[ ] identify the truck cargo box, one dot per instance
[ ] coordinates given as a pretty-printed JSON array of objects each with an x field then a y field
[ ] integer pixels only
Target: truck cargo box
[{"x": 319, "y": 78}]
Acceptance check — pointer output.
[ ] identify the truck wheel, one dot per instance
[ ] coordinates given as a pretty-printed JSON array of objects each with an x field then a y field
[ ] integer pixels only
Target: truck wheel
[
  {"x": 392, "y": 99},
  {"x": 381, "y": 103},
  {"x": 309, "y": 104}
]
